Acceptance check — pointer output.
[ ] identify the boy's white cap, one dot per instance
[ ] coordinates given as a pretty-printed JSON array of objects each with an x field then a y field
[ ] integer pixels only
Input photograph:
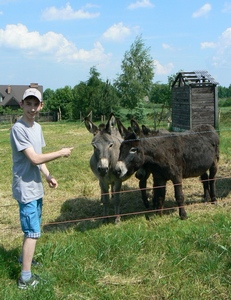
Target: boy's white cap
[{"x": 32, "y": 92}]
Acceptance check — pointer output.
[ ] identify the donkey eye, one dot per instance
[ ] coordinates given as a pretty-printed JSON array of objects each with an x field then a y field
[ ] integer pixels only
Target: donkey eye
[
  {"x": 110, "y": 145},
  {"x": 133, "y": 150}
]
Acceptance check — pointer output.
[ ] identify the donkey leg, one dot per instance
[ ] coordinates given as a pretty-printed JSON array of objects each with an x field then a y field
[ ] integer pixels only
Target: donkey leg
[
  {"x": 205, "y": 182},
  {"x": 212, "y": 174},
  {"x": 116, "y": 198},
  {"x": 143, "y": 175},
  {"x": 180, "y": 199},
  {"x": 143, "y": 186},
  {"x": 105, "y": 199},
  {"x": 159, "y": 191}
]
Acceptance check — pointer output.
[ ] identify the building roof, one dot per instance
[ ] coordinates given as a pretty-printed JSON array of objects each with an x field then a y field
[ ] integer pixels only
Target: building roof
[
  {"x": 11, "y": 95},
  {"x": 198, "y": 78}
]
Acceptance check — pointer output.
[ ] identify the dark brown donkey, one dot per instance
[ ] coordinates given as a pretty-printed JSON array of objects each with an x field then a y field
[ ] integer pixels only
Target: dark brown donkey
[{"x": 173, "y": 157}]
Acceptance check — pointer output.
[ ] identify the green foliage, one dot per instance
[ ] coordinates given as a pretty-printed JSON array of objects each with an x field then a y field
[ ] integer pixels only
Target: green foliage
[
  {"x": 139, "y": 111},
  {"x": 64, "y": 98},
  {"x": 160, "y": 96},
  {"x": 59, "y": 101},
  {"x": 80, "y": 100},
  {"x": 224, "y": 92},
  {"x": 137, "y": 73},
  {"x": 225, "y": 102},
  {"x": 94, "y": 96},
  {"x": 9, "y": 111},
  {"x": 160, "y": 93}
]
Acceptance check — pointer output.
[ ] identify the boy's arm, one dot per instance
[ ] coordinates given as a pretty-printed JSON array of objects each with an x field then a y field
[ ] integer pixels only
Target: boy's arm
[
  {"x": 41, "y": 159},
  {"x": 50, "y": 180},
  {"x": 38, "y": 159}
]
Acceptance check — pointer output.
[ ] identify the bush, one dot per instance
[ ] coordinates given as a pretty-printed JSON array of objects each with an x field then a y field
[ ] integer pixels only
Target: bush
[{"x": 224, "y": 102}]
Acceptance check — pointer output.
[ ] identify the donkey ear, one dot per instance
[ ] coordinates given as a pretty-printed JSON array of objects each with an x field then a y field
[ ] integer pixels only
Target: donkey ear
[
  {"x": 111, "y": 124},
  {"x": 91, "y": 127},
  {"x": 123, "y": 131},
  {"x": 145, "y": 130},
  {"x": 136, "y": 127},
  {"x": 131, "y": 136},
  {"x": 112, "y": 120}
]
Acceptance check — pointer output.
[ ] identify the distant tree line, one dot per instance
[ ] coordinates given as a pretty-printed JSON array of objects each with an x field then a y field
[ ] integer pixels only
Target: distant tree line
[
  {"x": 224, "y": 92},
  {"x": 132, "y": 90},
  {"x": 102, "y": 97},
  {"x": 224, "y": 96}
]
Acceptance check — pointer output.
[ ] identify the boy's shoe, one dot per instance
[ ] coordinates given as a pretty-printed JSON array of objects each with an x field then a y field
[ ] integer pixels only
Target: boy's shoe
[{"x": 31, "y": 283}]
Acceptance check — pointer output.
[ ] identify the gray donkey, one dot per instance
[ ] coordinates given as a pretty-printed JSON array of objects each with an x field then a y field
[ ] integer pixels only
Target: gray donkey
[{"x": 106, "y": 143}]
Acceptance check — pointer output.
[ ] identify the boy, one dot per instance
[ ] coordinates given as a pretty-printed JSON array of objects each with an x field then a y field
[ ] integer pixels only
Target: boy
[{"x": 29, "y": 162}]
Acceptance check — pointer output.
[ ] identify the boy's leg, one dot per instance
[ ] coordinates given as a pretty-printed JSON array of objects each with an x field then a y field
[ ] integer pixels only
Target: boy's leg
[
  {"x": 30, "y": 217},
  {"x": 28, "y": 250}
]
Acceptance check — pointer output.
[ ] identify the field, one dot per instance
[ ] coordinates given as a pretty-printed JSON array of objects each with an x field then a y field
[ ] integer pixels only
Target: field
[{"x": 83, "y": 258}]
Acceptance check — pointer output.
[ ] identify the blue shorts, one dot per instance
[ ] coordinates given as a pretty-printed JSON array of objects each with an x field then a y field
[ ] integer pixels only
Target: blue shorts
[{"x": 30, "y": 218}]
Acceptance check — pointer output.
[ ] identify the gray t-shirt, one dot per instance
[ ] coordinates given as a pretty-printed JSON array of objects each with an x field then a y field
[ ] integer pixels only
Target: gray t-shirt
[{"x": 27, "y": 182}]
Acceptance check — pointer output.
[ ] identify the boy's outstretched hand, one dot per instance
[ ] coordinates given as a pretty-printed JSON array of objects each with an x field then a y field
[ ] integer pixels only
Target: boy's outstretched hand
[{"x": 66, "y": 151}]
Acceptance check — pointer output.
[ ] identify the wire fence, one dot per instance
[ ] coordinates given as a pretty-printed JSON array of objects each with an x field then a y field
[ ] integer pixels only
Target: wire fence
[
  {"x": 136, "y": 213},
  {"x": 94, "y": 218}
]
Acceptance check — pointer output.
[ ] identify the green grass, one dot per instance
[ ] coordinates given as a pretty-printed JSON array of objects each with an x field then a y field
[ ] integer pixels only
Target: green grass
[{"x": 164, "y": 258}]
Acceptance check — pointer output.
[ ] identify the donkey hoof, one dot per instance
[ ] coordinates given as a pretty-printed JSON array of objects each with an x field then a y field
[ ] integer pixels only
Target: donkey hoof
[{"x": 183, "y": 217}]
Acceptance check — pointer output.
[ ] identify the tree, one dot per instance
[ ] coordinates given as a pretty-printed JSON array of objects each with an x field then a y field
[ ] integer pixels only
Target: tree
[
  {"x": 110, "y": 99},
  {"x": 94, "y": 87},
  {"x": 80, "y": 104},
  {"x": 139, "y": 111},
  {"x": 160, "y": 96},
  {"x": 48, "y": 99},
  {"x": 94, "y": 95},
  {"x": 63, "y": 99},
  {"x": 224, "y": 92},
  {"x": 138, "y": 71},
  {"x": 59, "y": 101},
  {"x": 160, "y": 93}
]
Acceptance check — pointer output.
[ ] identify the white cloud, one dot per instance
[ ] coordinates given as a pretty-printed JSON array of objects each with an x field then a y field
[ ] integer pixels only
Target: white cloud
[
  {"x": 208, "y": 45},
  {"x": 224, "y": 42},
  {"x": 140, "y": 4},
  {"x": 117, "y": 32},
  {"x": 162, "y": 70},
  {"x": 222, "y": 56},
  {"x": 203, "y": 11},
  {"x": 227, "y": 7},
  {"x": 67, "y": 13},
  {"x": 167, "y": 46},
  {"x": 51, "y": 44}
]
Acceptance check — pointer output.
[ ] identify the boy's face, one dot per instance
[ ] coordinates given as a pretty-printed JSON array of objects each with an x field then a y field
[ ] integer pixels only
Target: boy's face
[{"x": 31, "y": 106}]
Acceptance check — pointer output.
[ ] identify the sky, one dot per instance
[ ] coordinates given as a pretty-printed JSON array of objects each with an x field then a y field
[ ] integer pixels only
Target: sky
[{"x": 55, "y": 43}]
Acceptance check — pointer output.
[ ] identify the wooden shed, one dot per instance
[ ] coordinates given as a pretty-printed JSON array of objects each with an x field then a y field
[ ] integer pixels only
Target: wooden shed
[{"x": 194, "y": 100}]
